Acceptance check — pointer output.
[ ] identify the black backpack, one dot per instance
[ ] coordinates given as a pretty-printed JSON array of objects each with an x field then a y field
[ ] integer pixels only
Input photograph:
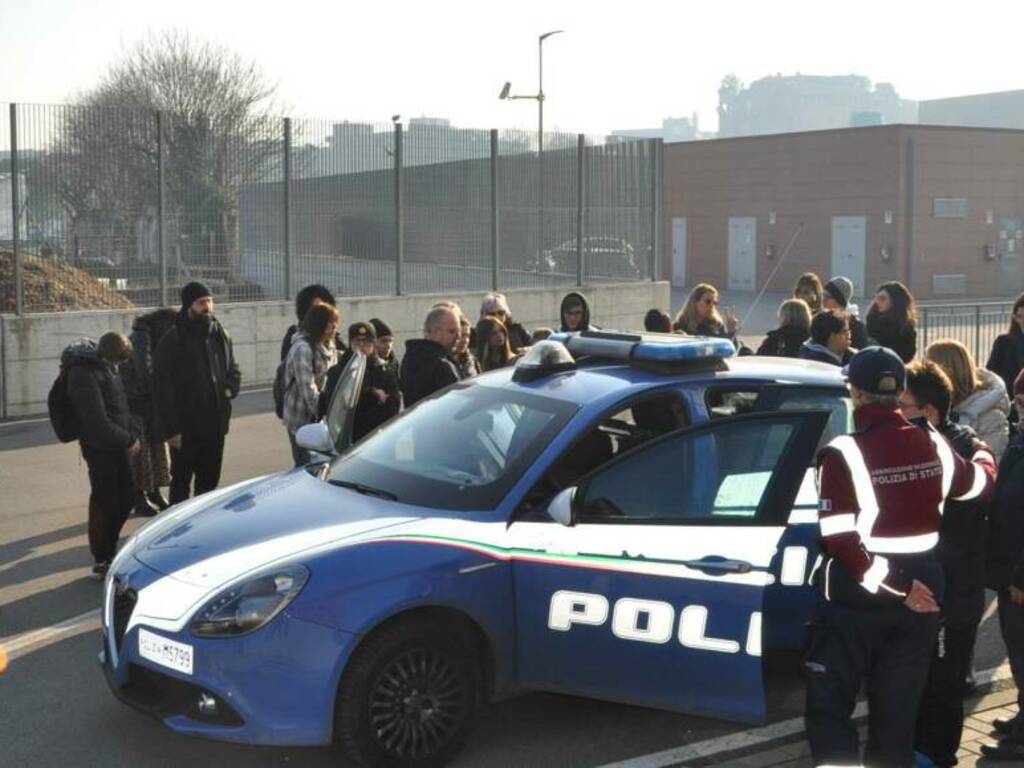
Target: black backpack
[
  {"x": 66, "y": 424},
  {"x": 279, "y": 390}
]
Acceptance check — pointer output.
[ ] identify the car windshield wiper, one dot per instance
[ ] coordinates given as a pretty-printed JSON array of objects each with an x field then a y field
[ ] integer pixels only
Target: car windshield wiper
[{"x": 365, "y": 490}]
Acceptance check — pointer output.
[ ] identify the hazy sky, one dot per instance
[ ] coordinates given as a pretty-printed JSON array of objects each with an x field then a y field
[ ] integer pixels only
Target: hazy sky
[{"x": 624, "y": 64}]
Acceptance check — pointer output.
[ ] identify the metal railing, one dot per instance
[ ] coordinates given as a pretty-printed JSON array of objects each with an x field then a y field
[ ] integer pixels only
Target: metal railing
[
  {"x": 104, "y": 207},
  {"x": 975, "y": 325}
]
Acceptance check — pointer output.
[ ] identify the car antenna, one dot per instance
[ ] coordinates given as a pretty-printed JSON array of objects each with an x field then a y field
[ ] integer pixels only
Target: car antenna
[{"x": 782, "y": 258}]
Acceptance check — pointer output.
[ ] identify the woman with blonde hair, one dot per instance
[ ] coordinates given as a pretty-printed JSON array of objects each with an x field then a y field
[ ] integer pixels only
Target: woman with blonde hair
[
  {"x": 808, "y": 287},
  {"x": 492, "y": 346},
  {"x": 700, "y": 317},
  {"x": 979, "y": 396},
  {"x": 794, "y": 329}
]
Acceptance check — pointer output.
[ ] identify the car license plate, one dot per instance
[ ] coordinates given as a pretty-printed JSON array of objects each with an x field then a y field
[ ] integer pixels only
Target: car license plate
[{"x": 165, "y": 652}]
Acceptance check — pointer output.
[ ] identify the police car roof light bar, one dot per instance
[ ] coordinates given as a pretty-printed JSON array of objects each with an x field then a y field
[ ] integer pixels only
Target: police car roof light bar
[{"x": 645, "y": 347}]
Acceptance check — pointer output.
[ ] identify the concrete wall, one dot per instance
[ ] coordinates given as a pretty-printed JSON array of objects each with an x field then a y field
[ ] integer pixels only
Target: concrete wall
[{"x": 31, "y": 345}]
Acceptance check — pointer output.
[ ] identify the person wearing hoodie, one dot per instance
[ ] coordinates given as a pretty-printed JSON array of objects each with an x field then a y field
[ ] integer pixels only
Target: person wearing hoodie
[
  {"x": 426, "y": 367},
  {"x": 108, "y": 440},
  {"x": 961, "y": 553},
  {"x": 195, "y": 378},
  {"x": 836, "y": 294},
  {"x": 794, "y": 329},
  {"x": 979, "y": 396},
  {"x": 575, "y": 313},
  {"x": 1004, "y": 573},
  {"x": 151, "y": 466},
  {"x": 830, "y": 339},
  {"x": 892, "y": 320}
]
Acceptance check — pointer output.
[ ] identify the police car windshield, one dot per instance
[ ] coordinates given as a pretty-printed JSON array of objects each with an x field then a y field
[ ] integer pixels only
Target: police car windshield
[{"x": 461, "y": 451}]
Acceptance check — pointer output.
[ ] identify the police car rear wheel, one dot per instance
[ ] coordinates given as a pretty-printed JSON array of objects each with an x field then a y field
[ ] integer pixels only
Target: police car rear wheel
[{"x": 409, "y": 697}]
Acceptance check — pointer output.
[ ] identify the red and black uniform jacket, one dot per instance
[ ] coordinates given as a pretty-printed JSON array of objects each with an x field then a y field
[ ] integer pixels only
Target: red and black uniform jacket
[{"x": 882, "y": 494}]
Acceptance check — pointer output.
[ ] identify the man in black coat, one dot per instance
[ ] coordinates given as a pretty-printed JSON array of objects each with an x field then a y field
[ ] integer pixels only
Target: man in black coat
[
  {"x": 426, "y": 367},
  {"x": 195, "y": 377},
  {"x": 107, "y": 439},
  {"x": 961, "y": 552},
  {"x": 1005, "y": 574}
]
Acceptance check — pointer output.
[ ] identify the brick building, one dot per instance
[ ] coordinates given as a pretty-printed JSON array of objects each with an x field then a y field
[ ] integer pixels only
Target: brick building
[{"x": 938, "y": 208}]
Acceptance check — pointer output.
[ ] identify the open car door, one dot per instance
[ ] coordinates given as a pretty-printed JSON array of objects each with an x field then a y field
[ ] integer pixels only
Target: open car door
[
  {"x": 654, "y": 594},
  {"x": 341, "y": 412}
]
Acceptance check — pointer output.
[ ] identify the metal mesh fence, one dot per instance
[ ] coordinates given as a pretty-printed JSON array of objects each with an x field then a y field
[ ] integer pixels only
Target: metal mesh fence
[{"x": 120, "y": 207}]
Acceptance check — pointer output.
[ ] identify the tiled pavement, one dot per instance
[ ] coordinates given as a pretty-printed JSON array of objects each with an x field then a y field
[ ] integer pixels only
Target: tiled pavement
[{"x": 980, "y": 713}]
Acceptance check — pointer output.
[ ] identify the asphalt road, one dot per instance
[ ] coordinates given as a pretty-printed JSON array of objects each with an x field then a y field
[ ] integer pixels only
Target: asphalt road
[{"x": 55, "y": 708}]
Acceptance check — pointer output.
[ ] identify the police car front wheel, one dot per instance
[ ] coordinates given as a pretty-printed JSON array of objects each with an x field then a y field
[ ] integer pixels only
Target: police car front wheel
[{"x": 409, "y": 697}]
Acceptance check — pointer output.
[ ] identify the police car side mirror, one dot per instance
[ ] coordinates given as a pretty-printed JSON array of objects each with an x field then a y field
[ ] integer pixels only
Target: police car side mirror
[
  {"x": 315, "y": 437},
  {"x": 561, "y": 508}
]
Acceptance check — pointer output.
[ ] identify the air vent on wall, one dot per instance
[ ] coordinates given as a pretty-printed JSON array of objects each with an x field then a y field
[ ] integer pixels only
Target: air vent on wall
[{"x": 949, "y": 285}]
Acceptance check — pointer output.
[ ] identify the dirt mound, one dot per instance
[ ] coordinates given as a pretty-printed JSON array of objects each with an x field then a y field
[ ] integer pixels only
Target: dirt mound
[{"x": 53, "y": 286}]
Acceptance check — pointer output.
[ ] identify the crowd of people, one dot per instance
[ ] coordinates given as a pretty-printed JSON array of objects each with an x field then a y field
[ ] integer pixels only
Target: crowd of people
[{"x": 904, "y": 593}]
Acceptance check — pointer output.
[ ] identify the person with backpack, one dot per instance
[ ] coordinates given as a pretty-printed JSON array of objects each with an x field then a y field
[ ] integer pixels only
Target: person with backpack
[
  {"x": 195, "y": 378},
  {"x": 151, "y": 468},
  {"x": 96, "y": 402},
  {"x": 312, "y": 355}
]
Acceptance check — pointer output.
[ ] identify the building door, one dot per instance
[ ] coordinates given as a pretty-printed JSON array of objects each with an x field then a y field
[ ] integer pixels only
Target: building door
[
  {"x": 742, "y": 253},
  {"x": 1011, "y": 257},
  {"x": 849, "y": 237},
  {"x": 678, "y": 253}
]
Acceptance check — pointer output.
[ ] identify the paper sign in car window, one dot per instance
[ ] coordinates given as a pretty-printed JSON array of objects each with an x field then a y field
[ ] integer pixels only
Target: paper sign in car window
[{"x": 740, "y": 495}]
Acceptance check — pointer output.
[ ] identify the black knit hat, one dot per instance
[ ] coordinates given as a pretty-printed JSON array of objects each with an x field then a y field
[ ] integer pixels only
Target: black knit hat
[
  {"x": 361, "y": 332},
  {"x": 380, "y": 327},
  {"x": 192, "y": 292}
]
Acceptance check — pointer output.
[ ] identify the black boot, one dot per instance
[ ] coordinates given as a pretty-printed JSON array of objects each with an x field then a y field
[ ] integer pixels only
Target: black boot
[
  {"x": 157, "y": 500},
  {"x": 143, "y": 507}
]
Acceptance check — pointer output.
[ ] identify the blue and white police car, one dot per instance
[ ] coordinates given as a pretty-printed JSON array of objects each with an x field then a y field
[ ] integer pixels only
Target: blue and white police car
[{"x": 628, "y": 517}]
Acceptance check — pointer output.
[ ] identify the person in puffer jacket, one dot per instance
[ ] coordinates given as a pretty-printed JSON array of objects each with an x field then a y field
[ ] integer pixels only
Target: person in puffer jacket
[{"x": 979, "y": 396}]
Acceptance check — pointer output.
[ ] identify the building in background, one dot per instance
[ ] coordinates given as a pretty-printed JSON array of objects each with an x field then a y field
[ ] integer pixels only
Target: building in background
[
  {"x": 672, "y": 129},
  {"x": 785, "y": 104},
  {"x": 1004, "y": 109},
  {"x": 938, "y": 208}
]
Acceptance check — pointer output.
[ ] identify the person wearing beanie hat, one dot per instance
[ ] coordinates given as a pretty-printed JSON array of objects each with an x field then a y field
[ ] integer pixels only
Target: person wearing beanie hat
[
  {"x": 195, "y": 378},
  {"x": 380, "y": 398},
  {"x": 386, "y": 346},
  {"x": 836, "y": 294},
  {"x": 193, "y": 292}
]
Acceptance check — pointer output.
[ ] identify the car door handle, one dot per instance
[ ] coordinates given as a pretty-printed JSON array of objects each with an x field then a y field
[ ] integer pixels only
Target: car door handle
[{"x": 716, "y": 565}]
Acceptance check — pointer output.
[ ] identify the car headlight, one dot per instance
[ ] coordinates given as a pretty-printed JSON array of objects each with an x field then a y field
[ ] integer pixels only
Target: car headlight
[{"x": 248, "y": 605}]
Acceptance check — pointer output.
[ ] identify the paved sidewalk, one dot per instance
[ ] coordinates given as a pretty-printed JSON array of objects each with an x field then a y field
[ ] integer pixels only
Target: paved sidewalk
[{"x": 1000, "y": 703}]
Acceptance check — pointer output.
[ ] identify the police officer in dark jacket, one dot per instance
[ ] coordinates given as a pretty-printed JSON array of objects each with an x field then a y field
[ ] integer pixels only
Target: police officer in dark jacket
[
  {"x": 961, "y": 553},
  {"x": 107, "y": 439},
  {"x": 1005, "y": 574},
  {"x": 151, "y": 468},
  {"x": 426, "y": 367},
  {"x": 195, "y": 379}
]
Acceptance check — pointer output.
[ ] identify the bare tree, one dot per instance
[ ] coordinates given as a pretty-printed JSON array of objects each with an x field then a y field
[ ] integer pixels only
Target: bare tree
[{"x": 219, "y": 136}]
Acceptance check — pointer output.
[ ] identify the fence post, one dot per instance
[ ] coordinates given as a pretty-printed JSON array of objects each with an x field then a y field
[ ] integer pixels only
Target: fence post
[
  {"x": 581, "y": 146},
  {"x": 399, "y": 230},
  {"x": 924, "y": 319},
  {"x": 656, "y": 147},
  {"x": 977, "y": 332},
  {"x": 19, "y": 285},
  {"x": 288, "y": 272},
  {"x": 161, "y": 228},
  {"x": 494, "y": 211}
]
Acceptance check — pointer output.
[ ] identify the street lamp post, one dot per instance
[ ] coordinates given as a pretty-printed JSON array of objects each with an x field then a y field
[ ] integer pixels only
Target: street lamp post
[{"x": 539, "y": 97}]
